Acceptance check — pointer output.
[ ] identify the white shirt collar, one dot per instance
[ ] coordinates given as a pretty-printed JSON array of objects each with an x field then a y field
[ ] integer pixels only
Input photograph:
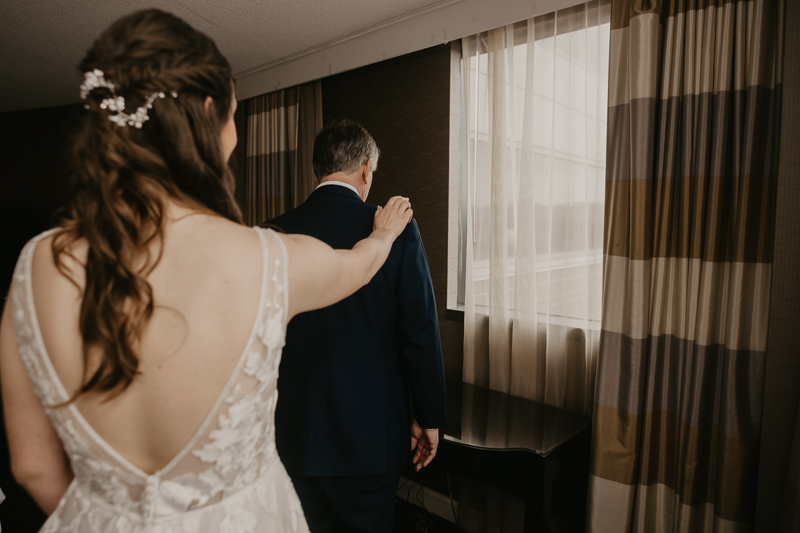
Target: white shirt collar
[{"x": 334, "y": 182}]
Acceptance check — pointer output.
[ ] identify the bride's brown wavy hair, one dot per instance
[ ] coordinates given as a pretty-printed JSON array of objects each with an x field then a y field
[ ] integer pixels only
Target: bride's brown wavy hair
[{"x": 121, "y": 175}]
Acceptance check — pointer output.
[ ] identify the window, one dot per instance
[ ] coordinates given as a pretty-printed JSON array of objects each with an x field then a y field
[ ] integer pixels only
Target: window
[{"x": 531, "y": 168}]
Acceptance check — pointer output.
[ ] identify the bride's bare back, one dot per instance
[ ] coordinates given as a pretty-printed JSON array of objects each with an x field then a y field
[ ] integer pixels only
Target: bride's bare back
[{"x": 206, "y": 290}]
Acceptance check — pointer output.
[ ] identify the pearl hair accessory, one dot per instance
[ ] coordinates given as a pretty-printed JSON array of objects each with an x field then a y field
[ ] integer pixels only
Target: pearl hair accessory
[{"x": 116, "y": 104}]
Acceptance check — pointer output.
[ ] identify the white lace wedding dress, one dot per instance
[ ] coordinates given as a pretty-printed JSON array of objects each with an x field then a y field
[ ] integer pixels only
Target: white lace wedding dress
[{"x": 227, "y": 479}]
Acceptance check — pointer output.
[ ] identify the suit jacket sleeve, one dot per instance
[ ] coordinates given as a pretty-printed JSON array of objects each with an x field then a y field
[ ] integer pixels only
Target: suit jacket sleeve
[{"x": 420, "y": 346}]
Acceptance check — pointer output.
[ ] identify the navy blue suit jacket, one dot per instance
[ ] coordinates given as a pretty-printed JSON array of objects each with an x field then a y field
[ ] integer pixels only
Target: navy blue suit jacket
[{"x": 343, "y": 406}]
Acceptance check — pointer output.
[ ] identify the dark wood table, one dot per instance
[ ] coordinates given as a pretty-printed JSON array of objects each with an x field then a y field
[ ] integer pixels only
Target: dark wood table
[{"x": 520, "y": 446}]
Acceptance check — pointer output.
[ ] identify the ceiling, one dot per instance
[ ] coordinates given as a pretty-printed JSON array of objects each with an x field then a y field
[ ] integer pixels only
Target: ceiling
[{"x": 42, "y": 41}]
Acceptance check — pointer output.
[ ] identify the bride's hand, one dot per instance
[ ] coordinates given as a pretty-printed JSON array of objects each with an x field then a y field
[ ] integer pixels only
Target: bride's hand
[{"x": 394, "y": 216}]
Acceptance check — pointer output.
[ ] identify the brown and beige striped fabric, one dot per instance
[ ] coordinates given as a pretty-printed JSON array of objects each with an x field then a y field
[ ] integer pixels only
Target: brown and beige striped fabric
[
  {"x": 693, "y": 127},
  {"x": 280, "y": 141}
]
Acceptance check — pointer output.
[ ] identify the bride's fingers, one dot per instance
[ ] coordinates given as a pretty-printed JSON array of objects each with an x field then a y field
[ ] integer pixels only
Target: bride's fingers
[
  {"x": 399, "y": 203},
  {"x": 398, "y": 199},
  {"x": 403, "y": 204},
  {"x": 396, "y": 212}
]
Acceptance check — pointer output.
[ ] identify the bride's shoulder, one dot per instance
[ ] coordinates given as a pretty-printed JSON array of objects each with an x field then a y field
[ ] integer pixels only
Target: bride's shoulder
[
  {"x": 226, "y": 233},
  {"x": 56, "y": 256}
]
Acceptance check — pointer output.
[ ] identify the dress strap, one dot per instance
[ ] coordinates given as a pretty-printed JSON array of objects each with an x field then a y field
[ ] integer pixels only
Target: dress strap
[
  {"x": 45, "y": 381},
  {"x": 276, "y": 260}
]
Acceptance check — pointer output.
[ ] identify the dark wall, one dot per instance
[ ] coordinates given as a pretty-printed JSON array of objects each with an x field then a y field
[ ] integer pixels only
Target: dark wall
[
  {"x": 782, "y": 394},
  {"x": 405, "y": 104},
  {"x": 33, "y": 146}
]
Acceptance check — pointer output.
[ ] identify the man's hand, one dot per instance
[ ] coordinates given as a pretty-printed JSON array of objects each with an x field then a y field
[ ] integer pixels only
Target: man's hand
[{"x": 426, "y": 442}]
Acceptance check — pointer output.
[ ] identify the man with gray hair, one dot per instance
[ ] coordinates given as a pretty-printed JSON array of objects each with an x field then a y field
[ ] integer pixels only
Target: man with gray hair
[{"x": 343, "y": 420}]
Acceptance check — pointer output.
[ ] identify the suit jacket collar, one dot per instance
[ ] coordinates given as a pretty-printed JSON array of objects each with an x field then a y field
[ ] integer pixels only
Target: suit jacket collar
[{"x": 335, "y": 189}]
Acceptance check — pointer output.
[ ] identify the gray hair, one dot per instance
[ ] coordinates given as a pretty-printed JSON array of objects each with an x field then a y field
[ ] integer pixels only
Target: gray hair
[{"x": 343, "y": 146}]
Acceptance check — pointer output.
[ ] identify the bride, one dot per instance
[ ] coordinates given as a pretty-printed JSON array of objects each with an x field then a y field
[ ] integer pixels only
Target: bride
[{"x": 141, "y": 338}]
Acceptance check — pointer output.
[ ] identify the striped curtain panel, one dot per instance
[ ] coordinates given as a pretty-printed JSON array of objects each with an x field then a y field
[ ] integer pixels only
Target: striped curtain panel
[
  {"x": 280, "y": 142},
  {"x": 693, "y": 127}
]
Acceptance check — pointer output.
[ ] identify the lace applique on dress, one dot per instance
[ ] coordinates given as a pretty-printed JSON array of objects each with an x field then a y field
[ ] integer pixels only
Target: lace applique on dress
[{"x": 228, "y": 478}]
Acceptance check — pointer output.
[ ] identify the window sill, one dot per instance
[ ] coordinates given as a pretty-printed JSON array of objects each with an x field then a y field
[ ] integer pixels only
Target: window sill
[{"x": 455, "y": 315}]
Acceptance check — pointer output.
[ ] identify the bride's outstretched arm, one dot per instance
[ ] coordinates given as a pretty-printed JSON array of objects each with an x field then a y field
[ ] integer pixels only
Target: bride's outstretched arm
[
  {"x": 320, "y": 276},
  {"x": 38, "y": 462}
]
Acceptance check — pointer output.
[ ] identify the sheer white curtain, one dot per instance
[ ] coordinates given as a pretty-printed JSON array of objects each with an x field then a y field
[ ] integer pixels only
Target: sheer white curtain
[{"x": 535, "y": 101}]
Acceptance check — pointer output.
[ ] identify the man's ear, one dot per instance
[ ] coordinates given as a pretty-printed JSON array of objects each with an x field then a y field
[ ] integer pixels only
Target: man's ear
[
  {"x": 207, "y": 103},
  {"x": 366, "y": 168}
]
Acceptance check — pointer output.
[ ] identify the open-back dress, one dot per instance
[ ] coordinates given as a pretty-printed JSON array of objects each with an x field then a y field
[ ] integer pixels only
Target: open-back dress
[{"x": 226, "y": 479}]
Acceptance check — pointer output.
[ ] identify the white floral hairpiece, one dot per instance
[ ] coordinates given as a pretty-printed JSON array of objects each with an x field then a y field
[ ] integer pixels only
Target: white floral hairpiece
[{"x": 116, "y": 104}]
